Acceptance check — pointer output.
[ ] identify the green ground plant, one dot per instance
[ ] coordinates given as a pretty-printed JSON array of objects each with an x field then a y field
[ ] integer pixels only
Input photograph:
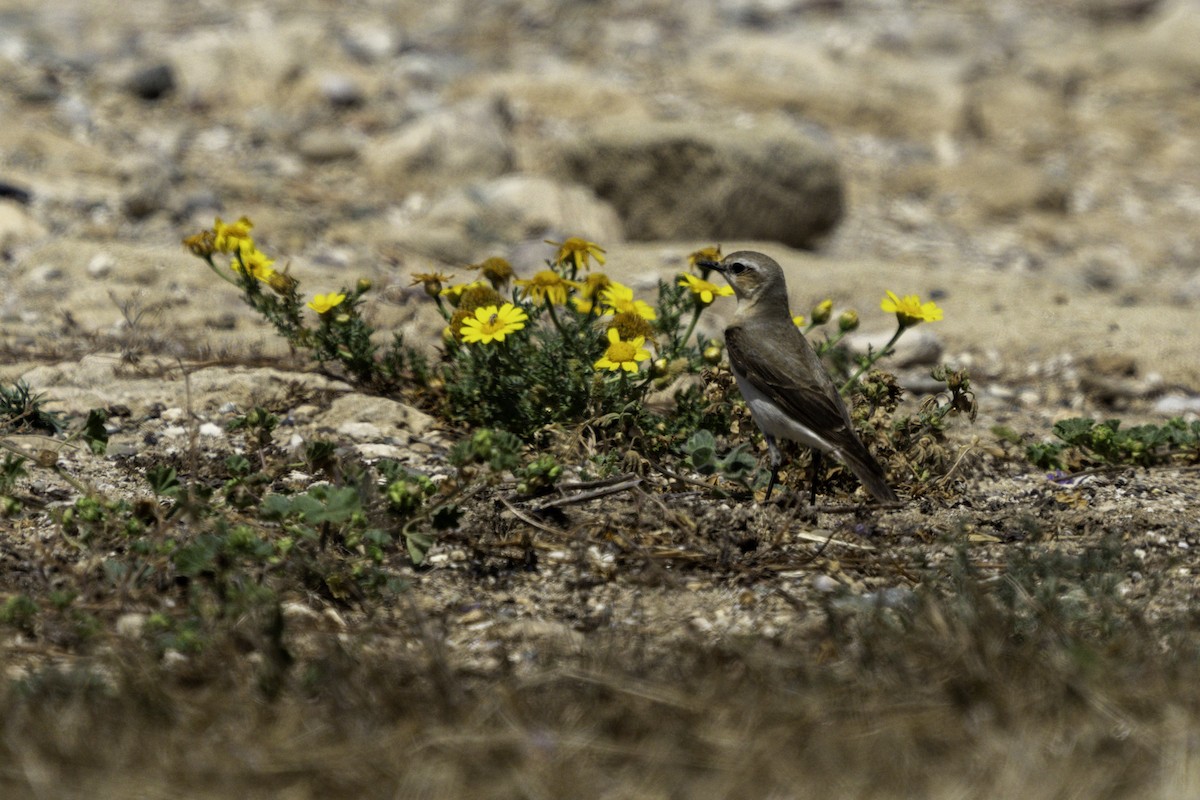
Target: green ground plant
[
  {"x": 1085, "y": 443},
  {"x": 570, "y": 348}
]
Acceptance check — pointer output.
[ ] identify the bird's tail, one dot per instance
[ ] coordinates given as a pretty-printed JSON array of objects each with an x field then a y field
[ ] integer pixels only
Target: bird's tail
[{"x": 863, "y": 464}]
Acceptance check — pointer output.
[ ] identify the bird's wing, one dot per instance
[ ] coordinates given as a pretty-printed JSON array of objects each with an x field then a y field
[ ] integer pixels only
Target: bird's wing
[{"x": 783, "y": 366}]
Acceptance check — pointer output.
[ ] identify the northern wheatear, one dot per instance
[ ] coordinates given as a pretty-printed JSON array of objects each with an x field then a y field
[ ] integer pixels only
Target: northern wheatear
[{"x": 789, "y": 393}]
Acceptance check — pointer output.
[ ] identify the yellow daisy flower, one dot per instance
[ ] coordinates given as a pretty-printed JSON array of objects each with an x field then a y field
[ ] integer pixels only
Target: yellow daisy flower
[
  {"x": 704, "y": 291},
  {"x": 589, "y": 289},
  {"x": 253, "y": 260},
  {"x": 492, "y": 324},
  {"x": 324, "y": 303},
  {"x": 547, "y": 284},
  {"x": 704, "y": 254},
  {"x": 455, "y": 292},
  {"x": 229, "y": 238},
  {"x": 622, "y": 355},
  {"x": 619, "y": 298},
  {"x": 577, "y": 251},
  {"x": 909, "y": 310}
]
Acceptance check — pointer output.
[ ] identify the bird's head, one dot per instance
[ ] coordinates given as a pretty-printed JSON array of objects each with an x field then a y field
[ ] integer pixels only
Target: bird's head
[{"x": 756, "y": 278}]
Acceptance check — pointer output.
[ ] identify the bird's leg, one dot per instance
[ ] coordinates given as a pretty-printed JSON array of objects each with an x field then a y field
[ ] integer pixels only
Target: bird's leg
[
  {"x": 776, "y": 460},
  {"x": 815, "y": 471}
]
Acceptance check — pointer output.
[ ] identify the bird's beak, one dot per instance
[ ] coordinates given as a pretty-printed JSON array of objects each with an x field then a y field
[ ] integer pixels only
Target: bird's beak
[{"x": 710, "y": 264}]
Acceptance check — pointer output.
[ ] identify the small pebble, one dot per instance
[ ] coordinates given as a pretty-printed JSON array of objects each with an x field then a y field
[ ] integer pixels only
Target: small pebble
[
  {"x": 101, "y": 265},
  {"x": 151, "y": 83}
]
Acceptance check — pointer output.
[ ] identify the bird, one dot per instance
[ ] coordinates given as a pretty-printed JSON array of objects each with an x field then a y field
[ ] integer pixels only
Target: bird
[{"x": 782, "y": 379}]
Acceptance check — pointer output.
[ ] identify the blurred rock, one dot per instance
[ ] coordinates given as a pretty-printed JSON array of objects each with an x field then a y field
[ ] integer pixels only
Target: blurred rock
[
  {"x": 144, "y": 199},
  {"x": 1114, "y": 11},
  {"x": 1176, "y": 405},
  {"x": 1000, "y": 187},
  {"x": 323, "y": 145},
  {"x": 463, "y": 142},
  {"x": 498, "y": 213},
  {"x": 152, "y": 82},
  {"x": 10, "y": 191},
  {"x": 101, "y": 266},
  {"x": 17, "y": 226},
  {"x": 38, "y": 87},
  {"x": 714, "y": 182},
  {"x": 918, "y": 346},
  {"x": 364, "y": 417},
  {"x": 367, "y": 42},
  {"x": 341, "y": 91}
]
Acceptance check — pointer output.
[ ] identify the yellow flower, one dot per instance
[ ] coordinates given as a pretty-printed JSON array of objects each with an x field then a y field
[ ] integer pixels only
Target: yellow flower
[
  {"x": 704, "y": 254},
  {"x": 909, "y": 310},
  {"x": 454, "y": 329},
  {"x": 589, "y": 289},
  {"x": 705, "y": 291},
  {"x": 493, "y": 324},
  {"x": 619, "y": 298},
  {"x": 579, "y": 251},
  {"x": 630, "y": 325},
  {"x": 798, "y": 320},
  {"x": 202, "y": 244},
  {"x": 229, "y": 238},
  {"x": 479, "y": 297},
  {"x": 848, "y": 321},
  {"x": 497, "y": 270},
  {"x": 432, "y": 281},
  {"x": 547, "y": 284},
  {"x": 281, "y": 282},
  {"x": 253, "y": 260},
  {"x": 822, "y": 311},
  {"x": 455, "y": 292},
  {"x": 323, "y": 303},
  {"x": 622, "y": 355}
]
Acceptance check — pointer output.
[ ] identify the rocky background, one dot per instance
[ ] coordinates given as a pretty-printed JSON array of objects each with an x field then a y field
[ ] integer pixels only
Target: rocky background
[{"x": 1033, "y": 167}]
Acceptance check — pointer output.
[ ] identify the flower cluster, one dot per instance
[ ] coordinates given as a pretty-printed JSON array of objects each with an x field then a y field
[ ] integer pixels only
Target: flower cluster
[
  {"x": 525, "y": 353},
  {"x": 235, "y": 239},
  {"x": 479, "y": 316}
]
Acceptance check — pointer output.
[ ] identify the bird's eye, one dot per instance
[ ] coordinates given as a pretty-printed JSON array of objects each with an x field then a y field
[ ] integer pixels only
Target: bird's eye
[{"x": 737, "y": 268}]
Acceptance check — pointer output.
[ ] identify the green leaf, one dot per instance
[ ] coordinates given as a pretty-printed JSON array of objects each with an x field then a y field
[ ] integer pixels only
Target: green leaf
[
  {"x": 198, "y": 557},
  {"x": 418, "y": 546},
  {"x": 163, "y": 480},
  {"x": 94, "y": 432}
]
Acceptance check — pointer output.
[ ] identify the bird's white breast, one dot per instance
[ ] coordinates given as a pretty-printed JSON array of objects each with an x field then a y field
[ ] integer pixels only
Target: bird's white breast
[{"x": 774, "y": 421}]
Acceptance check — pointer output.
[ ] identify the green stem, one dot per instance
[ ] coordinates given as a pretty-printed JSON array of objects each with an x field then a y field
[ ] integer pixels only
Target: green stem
[
  {"x": 442, "y": 307},
  {"x": 220, "y": 272},
  {"x": 872, "y": 358},
  {"x": 554, "y": 316},
  {"x": 692, "y": 326}
]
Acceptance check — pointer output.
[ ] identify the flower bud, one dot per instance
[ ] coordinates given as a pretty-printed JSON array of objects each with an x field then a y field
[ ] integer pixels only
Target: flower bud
[
  {"x": 822, "y": 311},
  {"x": 364, "y": 285},
  {"x": 848, "y": 321},
  {"x": 660, "y": 367},
  {"x": 712, "y": 354}
]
